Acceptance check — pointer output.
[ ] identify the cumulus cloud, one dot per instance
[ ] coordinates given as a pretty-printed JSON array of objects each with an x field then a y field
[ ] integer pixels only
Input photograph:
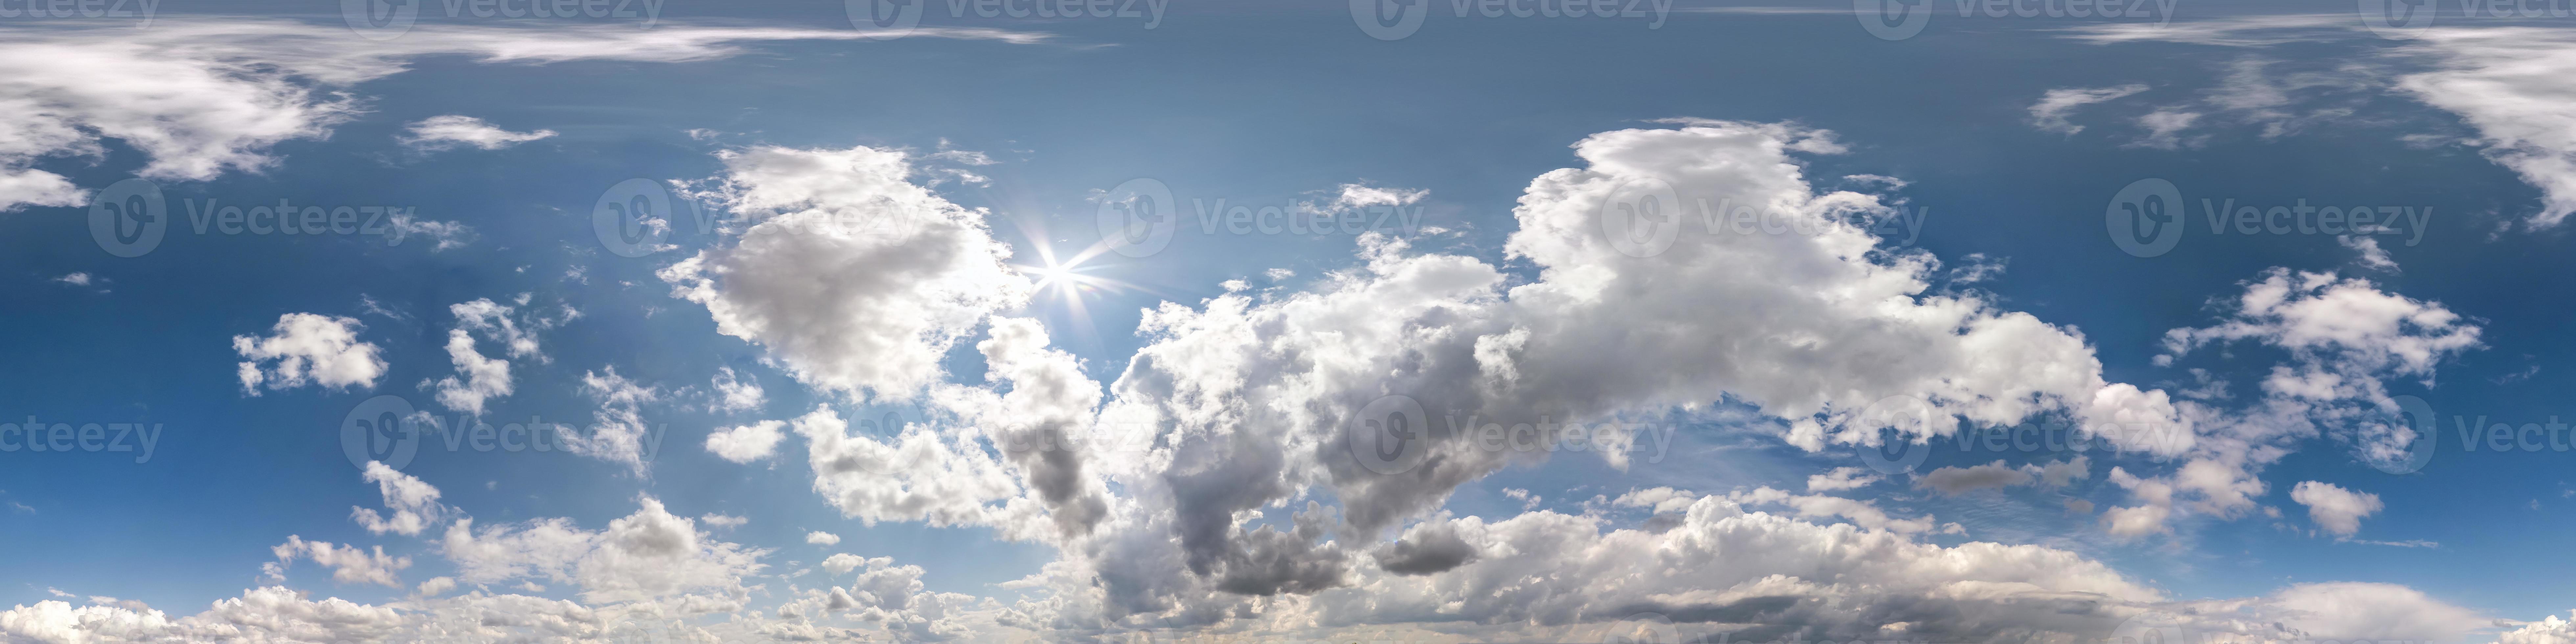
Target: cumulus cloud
[
  {"x": 349, "y": 565},
  {"x": 856, "y": 279},
  {"x": 412, "y": 504},
  {"x": 747, "y": 443},
  {"x": 2336, "y": 510},
  {"x": 736, "y": 392},
  {"x": 306, "y": 348},
  {"x": 822, "y": 538},
  {"x": 452, "y": 130},
  {"x": 480, "y": 378}
]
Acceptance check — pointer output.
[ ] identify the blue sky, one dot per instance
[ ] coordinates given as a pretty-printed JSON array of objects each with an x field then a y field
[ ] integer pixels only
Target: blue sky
[{"x": 863, "y": 222}]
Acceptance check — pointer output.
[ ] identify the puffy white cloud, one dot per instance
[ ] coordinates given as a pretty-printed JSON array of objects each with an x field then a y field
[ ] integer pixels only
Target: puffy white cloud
[
  {"x": 2337, "y": 510},
  {"x": 206, "y": 95},
  {"x": 819, "y": 537},
  {"x": 746, "y": 443},
  {"x": 413, "y": 503},
  {"x": 736, "y": 392},
  {"x": 349, "y": 565},
  {"x": 306, "y": 348},
  {"x": 650, "y": 554},
  {"x": 451, "y": 130},
  {"x": 618, "y": 432},
  {"x": 2049, "y": 114},
  {"x": 854, "y": 278},
  {"x": 2549, "y": 630},
  {"x": 485, "y": 378}
]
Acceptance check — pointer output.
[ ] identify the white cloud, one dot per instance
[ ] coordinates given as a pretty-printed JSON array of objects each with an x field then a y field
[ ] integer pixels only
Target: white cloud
[
  {"x": 2549, "y": 630},
  {"x": 448, "y": 131},
  {"x": 206, "y": 95},
  {"x": 2049, "y": 114},
  {"x": 2371, "y": 256},
  {"x": 305, "y": 348},
  {"x": 1841, "y": 478},
  {"x": 413, "y": 503},
  {"x": 2336, "y": 510},
  {"x": 2509, "y": 83},
  {"x": 746, "y": 443},
  {"x": 349, "y": 565},
  {"x": 618, "y": 432},
  {"x": 736, "y": 392},
  {"x": 854, "y": 278},
  {"x": 1355, "y": 195},
  {"x": 2165, "y": 127},
  {"x": 822, "y": 538}
]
